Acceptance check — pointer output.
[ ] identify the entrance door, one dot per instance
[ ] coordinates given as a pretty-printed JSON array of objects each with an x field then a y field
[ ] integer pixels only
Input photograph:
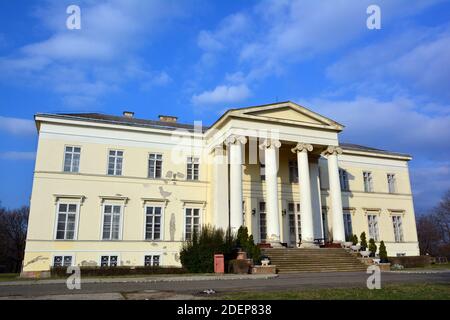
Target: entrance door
[{"x": 294, "y": 210}]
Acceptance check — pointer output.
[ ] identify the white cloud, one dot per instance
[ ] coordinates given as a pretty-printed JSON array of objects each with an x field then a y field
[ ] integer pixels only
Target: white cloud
[
  {"x": 17, "y": 155},
  {"x": 16, "y": 126},
  {"x": 222, "y": 94}
]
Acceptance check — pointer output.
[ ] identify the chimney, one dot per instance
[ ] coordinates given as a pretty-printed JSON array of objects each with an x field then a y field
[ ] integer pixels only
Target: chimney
[
  {"x": 128, "y": 114},
  {"x": 168, "y": 118}
]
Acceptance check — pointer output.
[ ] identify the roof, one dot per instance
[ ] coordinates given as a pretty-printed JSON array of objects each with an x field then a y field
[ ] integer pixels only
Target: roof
[
  {"x": 122, "y": 120},
  {"x": 357, "y": 147},
  {"x": 163, "y": 125}
]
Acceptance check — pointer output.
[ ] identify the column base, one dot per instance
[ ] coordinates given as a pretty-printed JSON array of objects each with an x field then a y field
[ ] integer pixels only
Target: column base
[
  {"x": 276, "y": 244},
  {"x": 309, "y": 245}
]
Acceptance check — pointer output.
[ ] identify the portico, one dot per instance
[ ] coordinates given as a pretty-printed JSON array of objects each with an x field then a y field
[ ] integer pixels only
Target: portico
[{"x": 292, "y": 132}]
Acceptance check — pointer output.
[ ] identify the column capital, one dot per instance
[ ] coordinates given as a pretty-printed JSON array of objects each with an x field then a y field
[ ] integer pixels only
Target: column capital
[
  {"x": 235, "y": 139},
  {"x": 332, "y": 150},
  {"x": 218, "y": 150},
  {"x": 300, "y": 147},
  {"x": 270, "y": 143}
]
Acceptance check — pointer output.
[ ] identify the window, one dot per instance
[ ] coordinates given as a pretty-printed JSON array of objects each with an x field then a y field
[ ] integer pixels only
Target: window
[
  {"x": 72, "y": 159},
  {"x": 343, "y": 178},
  {"x": 293, "y": 171},
  {"x": 62, "y": 261},
  {"x": 154, "y": 165},
  {"x": 398, "y": 230},
  {"x": 262, "y": 172},
  {"x": 151, "y": 261},
  {"x": 153, "y": 223},
  {"x": 348, "y": 226},
  {"x": 262, "y": 222},
  {"x": 192, "y": 168},
  {"x": 109, "y": 261},
  {"x": 391, "y": 182},
  {"x": 111, "y": 222},
  {"x": 292, "y": 213},
  {"x": 192, "y": 222},
  {"x": 324, "y": 224},
  {"x": 373, "y": 226},
  {"x": 67, "y": 218},
  {"x": 368, "y": 183},
  {"x": 115, "y": 162}
]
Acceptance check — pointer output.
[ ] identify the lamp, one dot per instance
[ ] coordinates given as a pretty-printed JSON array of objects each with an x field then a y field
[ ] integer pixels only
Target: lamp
[
  {"x": 253, "y": 212},
  {"x": 283, "y": 212}
]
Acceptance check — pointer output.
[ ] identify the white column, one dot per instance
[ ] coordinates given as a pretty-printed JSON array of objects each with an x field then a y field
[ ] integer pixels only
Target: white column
[
  {"x": 272, "y": 207},
  {"x": 235, "y": 146},
  {"x": 306, "y": 212},
  {"x": 220, "y": 183},
  {"x": 335, "y": 194},
  {"x": 315, "y": 197}
]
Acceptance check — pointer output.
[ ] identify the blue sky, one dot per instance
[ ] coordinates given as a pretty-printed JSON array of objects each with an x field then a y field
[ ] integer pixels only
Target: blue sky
[{"x": 195, "y": 59}]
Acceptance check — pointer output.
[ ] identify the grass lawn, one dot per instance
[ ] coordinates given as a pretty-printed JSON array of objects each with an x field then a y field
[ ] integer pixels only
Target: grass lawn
[
  {"x": 440, "y": 266},
  {"x": 9, "y": 276},
  {"x": 421, "y": 291}
]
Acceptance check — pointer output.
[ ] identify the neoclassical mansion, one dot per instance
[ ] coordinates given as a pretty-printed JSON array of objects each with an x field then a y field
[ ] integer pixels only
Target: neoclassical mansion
[{"x": 123, "y": 191}]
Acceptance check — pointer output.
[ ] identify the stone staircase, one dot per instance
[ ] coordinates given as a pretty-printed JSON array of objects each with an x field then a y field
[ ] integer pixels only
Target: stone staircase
[{"x": 294, "y": 260}]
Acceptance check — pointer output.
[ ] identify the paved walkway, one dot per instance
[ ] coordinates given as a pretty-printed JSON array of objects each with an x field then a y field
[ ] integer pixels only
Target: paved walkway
[{"x": 189, "y": 289}]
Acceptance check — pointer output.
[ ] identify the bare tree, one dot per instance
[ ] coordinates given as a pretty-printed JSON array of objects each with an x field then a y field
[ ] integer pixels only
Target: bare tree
[{"x": 13, "y": 233}]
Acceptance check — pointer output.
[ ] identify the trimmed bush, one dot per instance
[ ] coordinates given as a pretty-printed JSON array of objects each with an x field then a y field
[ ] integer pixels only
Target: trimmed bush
[
  {"x": 117, "y": 271},
  {"x": 411, "y": 262},
  {"x": 372, "y": 247},
  {"x": 363, "y": 241},
  {"x": 383, "y": 253},
  {"x": 246, "y": 243},
  {"x": 197, "y": 255},
  {"x": 355, "y": 239}
]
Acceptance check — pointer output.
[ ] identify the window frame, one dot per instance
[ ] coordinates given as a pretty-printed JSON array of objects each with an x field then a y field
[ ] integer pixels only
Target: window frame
[
  {"x": 376, "y": 215},
  {"x": 153, "y": 254},
  {"x": 293, "y": 171},
  {"x": 161, "y": 232},
  {"x": 191, "y": 161},
  {"x": 348, "y": 223},
  {"x": 77, "y": 217},
  {"x": 109, "y": 255},
  {"x": 115, "y": 162},
  {"x": 369, "y": 186},
  {"x": 63, "y": 255},
  {"x": 71, "y": 162},
  {"x": 200, "y": 213},
  {"x": 156, "y": 154},
  {"x": 394, "y": 183},
  {"x": 122, "y": 209},
  {"x": 394, "y": 224},
  {"x": 343, "y": 180},
  {"x": 259, "y": 221}
]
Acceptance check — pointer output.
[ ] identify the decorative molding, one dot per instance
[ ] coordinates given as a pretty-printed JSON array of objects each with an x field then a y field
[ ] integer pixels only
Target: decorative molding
[
  {"x": 234, "y": 139},
  {"x": 158, "y": 200},
  {"x": 196, "y": 202},
  {"x": 332, "y": 150},
  {"x": 270, "y": 143},
  {"x": 396, "y": 212},
  {"x": 372, "y": 210},
  {"x": 116, "y": 198},
  {"x": 80, "y": 198},
  {"x": 300, "y": 147}
]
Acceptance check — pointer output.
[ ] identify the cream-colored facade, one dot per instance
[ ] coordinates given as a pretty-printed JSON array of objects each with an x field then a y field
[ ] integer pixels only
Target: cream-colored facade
[{"x": 87, "y": 203}]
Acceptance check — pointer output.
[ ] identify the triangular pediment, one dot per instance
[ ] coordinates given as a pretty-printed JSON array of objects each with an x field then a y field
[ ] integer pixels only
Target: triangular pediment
[{"x": 286, "y": 113}]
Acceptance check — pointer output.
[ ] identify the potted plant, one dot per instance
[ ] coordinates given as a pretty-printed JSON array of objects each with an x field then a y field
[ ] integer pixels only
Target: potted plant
[
  {"x": 372, "y": 247},
  {"x": 383, "y": 253},
  {"x": 363, "y": 241},
  {"x": 355, "y": 239}
]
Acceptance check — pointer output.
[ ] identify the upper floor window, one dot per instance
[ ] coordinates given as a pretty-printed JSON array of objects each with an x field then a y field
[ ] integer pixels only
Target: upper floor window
[
  {"x": 368, "y": 181},
  {"x": 115, "y": 162},
  {"x": 192, "y": 225},
  {"x": 192, "y": 168},
  {"x": 398, "y": 228},
  {"x": 293, "y": 171},
  {"x": 112, "y": 216},
  {"x": 391, "y": 182},
  {"x": 72, "y": 159},
  {"x": 155, "y": 166},
  {"x": 372, "y": 220},
  {"x": 343, "y": 178},
  {"x": 153, "y": 217},
  {"x": 67, "y": 220}
]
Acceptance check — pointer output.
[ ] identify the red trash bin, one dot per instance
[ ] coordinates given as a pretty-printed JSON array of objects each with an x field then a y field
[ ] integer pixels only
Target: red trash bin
[{"x": 219, "y": 263}]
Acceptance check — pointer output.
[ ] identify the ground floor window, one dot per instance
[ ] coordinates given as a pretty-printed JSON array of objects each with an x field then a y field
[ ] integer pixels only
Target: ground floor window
[
  {"x": 192, "y": 216},
  {"x": 348, "y": 226},
  {"x": 62, "y": 261},
  {"x": 262, "y": 222},
  {"x": 153, "y": 217},
  {"x": 398, "y": 229},
  {"x": 373, "y": 226},
  {"x": 294, "y": 210},
  {"x": 109, "y": 261},
  {"x": 152, "y": 261}
]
